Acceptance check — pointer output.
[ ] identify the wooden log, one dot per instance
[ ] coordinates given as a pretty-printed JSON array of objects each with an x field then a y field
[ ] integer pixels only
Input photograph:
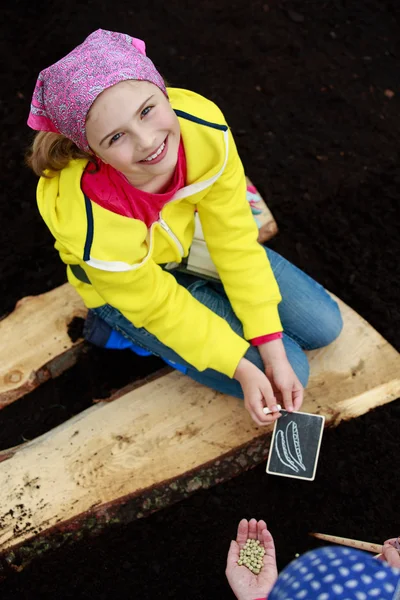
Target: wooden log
[
  {"x": 35, "y": 344},
  {"x": 159, "y": 443}
]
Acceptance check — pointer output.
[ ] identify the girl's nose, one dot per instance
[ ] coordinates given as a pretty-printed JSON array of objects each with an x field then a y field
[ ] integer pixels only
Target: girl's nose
[{"x": 145, "y": 143}]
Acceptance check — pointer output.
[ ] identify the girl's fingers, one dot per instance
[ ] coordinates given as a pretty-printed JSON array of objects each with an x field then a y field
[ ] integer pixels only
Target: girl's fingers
[
  {"x": 298, "y": 395},
  {"x": 242, "y": 532},
  {"x": 261, "y": 526},
  {"x": 391, "y": 555},
  {"x": 269, "y": 545},
  {"x": 253, "y": 415},
  {"x": 267, "y": 400},
  {"x": 265, "y": 419},
  {"x": 268, "y": 394},
  {"x": 255, "y": 405},
  {"x": 391, "y": 541},
  {"x": 252, "y": 529},
  {"x": 233, "y": 555},
  {"x": 271, "y": 418},
  {"x": 287, "y": 399}
]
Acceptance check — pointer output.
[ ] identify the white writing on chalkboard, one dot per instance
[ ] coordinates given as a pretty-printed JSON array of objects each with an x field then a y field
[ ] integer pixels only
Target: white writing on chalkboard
[{"x": 286, "y": 442}]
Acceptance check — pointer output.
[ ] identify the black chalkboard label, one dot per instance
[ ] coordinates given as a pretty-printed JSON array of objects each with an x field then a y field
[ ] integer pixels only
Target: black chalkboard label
[{"x": 295, "y": 445}]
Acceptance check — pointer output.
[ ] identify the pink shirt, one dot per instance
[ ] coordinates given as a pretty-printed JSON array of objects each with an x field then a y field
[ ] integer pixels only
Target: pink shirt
[{"x": 109, "y": 188}]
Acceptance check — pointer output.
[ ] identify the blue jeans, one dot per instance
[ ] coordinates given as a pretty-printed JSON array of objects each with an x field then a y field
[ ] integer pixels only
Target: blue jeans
[{"x": 310, "y": 318}]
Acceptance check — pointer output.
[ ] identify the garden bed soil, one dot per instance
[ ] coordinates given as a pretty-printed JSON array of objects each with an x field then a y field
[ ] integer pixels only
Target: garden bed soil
[{"x": 311, "y": 91}]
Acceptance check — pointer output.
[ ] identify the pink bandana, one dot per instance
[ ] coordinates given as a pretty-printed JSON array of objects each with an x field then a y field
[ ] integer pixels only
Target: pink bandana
[{"x": 65, "y": 91}]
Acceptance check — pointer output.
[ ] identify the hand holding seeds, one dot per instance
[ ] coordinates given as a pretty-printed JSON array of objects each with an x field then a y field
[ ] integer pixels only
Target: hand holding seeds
[
  {"x": 251, "y": 566},
  {"x": 251, "y": 556}
]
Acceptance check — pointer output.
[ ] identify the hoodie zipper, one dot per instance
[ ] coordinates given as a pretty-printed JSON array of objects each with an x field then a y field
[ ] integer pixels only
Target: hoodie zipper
[{"x": 171, "y": 234}]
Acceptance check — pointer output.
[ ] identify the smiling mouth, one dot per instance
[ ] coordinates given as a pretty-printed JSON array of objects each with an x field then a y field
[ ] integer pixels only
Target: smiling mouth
[{"x": 155, "y": 154}]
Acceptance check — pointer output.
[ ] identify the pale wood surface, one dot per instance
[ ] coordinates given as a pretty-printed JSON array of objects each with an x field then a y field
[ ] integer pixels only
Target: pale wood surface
[
  {"x": 358, "y": 544},
  {"x": 168, "y": 438},
  {"x": 35, "y": 344},
  {"x": 359, "y": 371}
]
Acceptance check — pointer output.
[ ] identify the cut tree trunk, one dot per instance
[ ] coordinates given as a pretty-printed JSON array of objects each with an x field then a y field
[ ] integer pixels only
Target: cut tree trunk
[
  {"x": 35, "y": 344},
  {"x": 155, "y": 445}
]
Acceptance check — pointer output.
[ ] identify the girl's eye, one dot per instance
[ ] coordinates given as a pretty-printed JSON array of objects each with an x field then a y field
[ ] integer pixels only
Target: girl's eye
[
  {"x": 146, "y": 111},
  {"x": 115, "y": 138}
]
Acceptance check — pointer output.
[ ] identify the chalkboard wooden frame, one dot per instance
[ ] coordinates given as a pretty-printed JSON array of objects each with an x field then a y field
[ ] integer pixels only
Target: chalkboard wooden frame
[{"x": 295, "y": 445}]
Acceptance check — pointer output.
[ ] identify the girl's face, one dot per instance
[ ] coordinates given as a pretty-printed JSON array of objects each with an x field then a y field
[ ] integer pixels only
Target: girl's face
[{"x": 132, "y": 127}]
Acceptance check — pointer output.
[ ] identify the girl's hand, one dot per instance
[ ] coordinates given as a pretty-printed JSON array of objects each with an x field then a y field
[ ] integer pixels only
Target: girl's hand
[
  {"x": 390, "y": 554},
  {"x": 287, "y": 388},
  {"x": 257, "y": 392},
  {"x": 245, "y": 584}
]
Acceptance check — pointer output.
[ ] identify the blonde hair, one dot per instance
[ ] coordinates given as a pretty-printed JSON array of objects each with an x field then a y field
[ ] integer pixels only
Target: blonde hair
[{"x": 51, "y": 152}]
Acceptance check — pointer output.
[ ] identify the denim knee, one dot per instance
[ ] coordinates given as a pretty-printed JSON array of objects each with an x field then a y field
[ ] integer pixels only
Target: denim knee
[
  {"x": 332, "y": 324},
  {"x": 217, "y": 381},
  {"x": 301, "y": 367}
]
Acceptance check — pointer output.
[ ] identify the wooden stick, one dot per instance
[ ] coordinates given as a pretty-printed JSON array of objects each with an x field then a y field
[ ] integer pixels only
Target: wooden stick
[{"x": 367, "y": 546}]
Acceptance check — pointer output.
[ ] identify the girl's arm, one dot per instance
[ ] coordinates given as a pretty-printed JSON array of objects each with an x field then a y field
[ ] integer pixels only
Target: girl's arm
[
  {"x": 151, "y": 298},
  {"x": 257, "y": 391},
  {"x": 231, "y": 236},
  {"x": 287, "y": 388}
]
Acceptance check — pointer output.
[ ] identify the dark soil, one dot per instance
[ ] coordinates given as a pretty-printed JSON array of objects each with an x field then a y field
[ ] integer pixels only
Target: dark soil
[{"x": 312, "y": 93}]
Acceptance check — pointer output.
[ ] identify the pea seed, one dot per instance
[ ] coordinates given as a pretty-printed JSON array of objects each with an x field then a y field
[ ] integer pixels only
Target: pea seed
[{"x": 251, "y": 556}]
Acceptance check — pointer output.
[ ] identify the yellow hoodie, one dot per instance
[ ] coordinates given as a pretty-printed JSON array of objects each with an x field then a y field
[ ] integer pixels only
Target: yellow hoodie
[{"x": 122, "y": 258}]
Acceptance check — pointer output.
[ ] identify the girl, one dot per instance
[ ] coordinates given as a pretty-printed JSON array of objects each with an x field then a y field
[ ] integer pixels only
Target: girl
[{"x": 127, "y": 167}]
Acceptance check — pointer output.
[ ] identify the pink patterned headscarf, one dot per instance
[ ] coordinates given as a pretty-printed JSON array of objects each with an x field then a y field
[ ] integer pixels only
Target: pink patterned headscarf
[{"x": 65, "y": 91}]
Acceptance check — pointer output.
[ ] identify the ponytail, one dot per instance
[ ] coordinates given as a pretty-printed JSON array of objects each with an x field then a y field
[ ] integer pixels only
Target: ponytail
[{"x": 52, "y": 152}]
